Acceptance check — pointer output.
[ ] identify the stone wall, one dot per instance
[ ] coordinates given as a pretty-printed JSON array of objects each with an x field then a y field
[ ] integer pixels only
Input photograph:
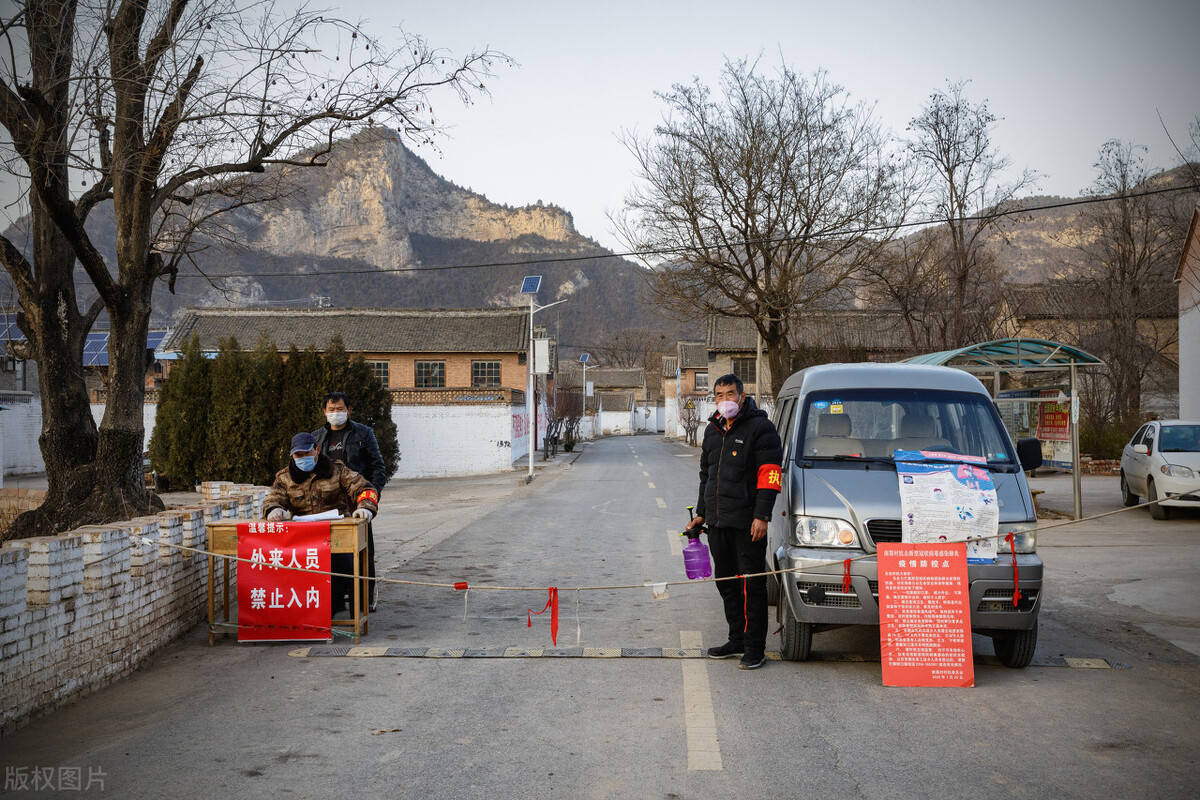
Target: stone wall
[{"x": 81, "y": 609}]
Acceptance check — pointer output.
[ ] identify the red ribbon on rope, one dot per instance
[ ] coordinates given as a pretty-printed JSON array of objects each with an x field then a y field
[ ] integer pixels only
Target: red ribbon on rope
[
  {"x": 1012, "y": 544},
  {"x": 846, "y": 585},
  {"x": 745, "y": 606},
  {"x": 552, "y": 604},
  {"x": 460, "y": 586}
]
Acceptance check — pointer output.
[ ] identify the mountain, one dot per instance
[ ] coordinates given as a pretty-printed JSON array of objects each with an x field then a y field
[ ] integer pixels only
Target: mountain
[{"x": 377, "y": 206}]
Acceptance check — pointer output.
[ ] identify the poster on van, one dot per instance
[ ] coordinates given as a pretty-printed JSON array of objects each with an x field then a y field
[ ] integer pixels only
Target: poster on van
[{"x": 948, "y": 497}]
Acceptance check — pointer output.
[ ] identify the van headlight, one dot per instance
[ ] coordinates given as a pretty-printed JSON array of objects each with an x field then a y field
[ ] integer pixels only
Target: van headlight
[
  {"x": 824, "y": 532},
  {"x": 1024, "y": 537},
  {"x": 1176, "y": 471}
]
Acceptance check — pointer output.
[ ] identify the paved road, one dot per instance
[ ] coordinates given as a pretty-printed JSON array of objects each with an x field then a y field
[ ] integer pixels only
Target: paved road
[{"x": 252, "y": 721}]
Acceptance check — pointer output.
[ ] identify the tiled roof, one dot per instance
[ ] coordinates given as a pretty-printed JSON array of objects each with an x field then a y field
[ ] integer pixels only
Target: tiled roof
[
  {"x": 1067, "y": 299},
  {"x": 869, "y": 330},
  {"x": 692, "y": 355},
  {"x": 670, "y": 366},
  {"x": 374, "y": 330},
  {"x": 571, "y": 374}
]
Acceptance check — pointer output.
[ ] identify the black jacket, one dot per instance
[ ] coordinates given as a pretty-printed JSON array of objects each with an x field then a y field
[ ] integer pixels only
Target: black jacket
[
  {"x": 362, "y": 451},
  {"x": 739, "y": 469}
]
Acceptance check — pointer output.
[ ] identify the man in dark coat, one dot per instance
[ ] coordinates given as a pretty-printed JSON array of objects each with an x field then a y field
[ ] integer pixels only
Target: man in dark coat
[
  {"x": 740, "y": 478},
  {"x": 354, "y": 444},
  {"x": 312, "y": 483}
]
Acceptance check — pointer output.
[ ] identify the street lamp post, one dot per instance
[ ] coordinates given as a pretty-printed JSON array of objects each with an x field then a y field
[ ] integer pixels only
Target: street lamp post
[{"x": 530, "y": 285}]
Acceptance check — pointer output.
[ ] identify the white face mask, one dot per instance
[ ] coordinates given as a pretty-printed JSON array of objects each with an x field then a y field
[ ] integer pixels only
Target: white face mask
[{"x": 337, "y": 418}]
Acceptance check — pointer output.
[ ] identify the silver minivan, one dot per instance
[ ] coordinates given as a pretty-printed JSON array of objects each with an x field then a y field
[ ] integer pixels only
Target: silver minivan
[{"x": 841, "y": 497}]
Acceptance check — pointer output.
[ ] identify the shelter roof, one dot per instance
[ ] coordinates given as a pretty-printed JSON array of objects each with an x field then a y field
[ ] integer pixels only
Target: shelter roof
[{"x": 1010, "y": 355}]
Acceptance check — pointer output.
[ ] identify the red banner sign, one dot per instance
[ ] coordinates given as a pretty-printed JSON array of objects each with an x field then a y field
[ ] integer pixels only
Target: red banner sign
[
  {"x": 276, "y": 601},
  {"x": 925, "y": 615},
  {"x": 1054, "y": 420}
]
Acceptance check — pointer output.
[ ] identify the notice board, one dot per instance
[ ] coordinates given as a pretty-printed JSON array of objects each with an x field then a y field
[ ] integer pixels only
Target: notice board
[
  {"x": 925, "y": 615},
  {"x": 277, "y": 600}
]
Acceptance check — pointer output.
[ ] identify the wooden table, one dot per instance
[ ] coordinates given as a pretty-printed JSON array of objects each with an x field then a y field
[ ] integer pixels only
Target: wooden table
[{"x": 347, "y": 535}]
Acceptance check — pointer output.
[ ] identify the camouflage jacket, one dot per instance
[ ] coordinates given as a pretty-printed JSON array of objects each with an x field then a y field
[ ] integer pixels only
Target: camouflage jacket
[{"x": 330, "y": 485}]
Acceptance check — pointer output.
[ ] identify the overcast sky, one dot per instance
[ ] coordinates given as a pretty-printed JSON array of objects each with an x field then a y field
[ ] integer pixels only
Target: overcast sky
[{"x": 1065, "y": 75}]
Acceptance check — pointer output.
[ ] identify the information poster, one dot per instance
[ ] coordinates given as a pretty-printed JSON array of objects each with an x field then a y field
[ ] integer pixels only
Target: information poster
[
  {"x": 1054, "y": 419},
  {"x": 925, "y": 615},
  {"x": 948, "y": 497},
  {"x": 278, "y": 604}
]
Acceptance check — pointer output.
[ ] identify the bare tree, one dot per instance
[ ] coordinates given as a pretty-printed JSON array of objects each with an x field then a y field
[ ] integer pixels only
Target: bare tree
[
  {"x": 769, "y": 197},
  {"x": 158, "y": 106},
  {"x": 689, "y": 420},
  {"x": 964, "y": 185},
  {"x": 1129, "y": 246}
]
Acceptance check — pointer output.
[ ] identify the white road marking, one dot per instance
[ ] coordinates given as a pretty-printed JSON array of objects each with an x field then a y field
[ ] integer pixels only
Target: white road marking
[
  {"x": 700, "y": 722},
  {"x": 676, "y": 542},
  {"x": 650, "y": 484},
  {"x": 661, "y": 503}
]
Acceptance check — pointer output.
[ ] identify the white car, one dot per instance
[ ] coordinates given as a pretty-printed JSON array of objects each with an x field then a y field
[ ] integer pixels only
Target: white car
[{"x": 1162, "y": 462}]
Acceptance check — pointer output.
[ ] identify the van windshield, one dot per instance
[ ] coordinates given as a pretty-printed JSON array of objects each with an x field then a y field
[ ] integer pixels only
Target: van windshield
[{"x": 875, "y": 423}]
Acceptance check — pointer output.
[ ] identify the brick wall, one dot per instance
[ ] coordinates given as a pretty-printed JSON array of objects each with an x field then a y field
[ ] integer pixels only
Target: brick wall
[
  {"x": 84, "y": 608},
  {"x": 402, "y": 368}
]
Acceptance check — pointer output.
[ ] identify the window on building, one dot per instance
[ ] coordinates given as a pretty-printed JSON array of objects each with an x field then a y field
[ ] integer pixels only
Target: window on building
[
  {"x": 380, "y": 369},
  {"x": 701, "y": 382},
  {"x": 744, "y": 369},
  {"x": 485, "y": 373},
  {"x": 431, "y": 374}
]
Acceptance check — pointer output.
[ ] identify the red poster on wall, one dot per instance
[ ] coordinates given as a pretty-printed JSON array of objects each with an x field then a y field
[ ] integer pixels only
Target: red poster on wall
[
  {"x": 276, "y": 600},
  {"x": 1054, "y": 419},
  {"x": 925, "y": 615}
]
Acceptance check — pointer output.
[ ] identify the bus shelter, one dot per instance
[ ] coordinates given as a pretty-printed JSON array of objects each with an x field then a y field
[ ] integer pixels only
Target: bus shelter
[{"x": 1018, "y": 357}]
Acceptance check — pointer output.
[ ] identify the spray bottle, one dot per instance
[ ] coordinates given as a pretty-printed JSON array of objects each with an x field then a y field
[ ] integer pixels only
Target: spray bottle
[{"x": 695, "y": 554}]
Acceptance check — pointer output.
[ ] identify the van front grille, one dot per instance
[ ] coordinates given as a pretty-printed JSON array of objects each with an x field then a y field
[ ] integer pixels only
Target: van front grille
[{"x": 884, "y": 530}]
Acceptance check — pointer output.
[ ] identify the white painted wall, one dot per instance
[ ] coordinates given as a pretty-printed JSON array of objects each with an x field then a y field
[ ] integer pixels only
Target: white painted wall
[
  {"x": 438, "y": 441},
  {"x": 149, "y": 415},
  {"x": 20, "y": 426},
  {"x": 671, "y": 427},
  {"x": 1189, "y": 364}
]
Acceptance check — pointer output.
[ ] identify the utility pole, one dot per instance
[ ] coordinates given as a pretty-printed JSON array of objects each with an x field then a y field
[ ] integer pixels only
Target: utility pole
[{"x": 530, "y": 285}]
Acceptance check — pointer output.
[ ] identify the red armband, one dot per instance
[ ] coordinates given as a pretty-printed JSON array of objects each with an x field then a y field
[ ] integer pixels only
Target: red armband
[
  {"x": 770, "y": 477},
  {"x": 368, "y": 494}
]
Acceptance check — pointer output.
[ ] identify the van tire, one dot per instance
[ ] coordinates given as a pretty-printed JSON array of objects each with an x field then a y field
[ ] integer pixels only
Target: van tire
[
  {"x": 797, "y": 636},
  {"x": 1157, "y": 510},
  {"x": 773, "y": 590},
  {"x": 1128, "y": 498},
  {"x": 1015, "y": 648}
]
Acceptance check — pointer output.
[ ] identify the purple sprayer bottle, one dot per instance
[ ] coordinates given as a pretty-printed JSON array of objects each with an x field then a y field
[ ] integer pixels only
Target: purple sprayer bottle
[{"x": 695, "y": 553}]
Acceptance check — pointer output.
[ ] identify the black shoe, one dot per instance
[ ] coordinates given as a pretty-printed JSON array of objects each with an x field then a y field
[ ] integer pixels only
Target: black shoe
[
  {"x": 752, "y": 662},
  {"x": 725, "y": 651}
]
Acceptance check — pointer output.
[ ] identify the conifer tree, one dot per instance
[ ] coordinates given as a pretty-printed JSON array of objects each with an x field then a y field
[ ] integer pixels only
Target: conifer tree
[
  {"x": 180, "y": 432},
  {"x": 299, "y": 402},
  {"x": 224, "y": 452},
  {"x": 264, "y": 390}
]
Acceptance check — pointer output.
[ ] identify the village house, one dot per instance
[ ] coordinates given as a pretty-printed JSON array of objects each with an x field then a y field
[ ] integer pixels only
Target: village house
[{"x": 457, "y": 376}]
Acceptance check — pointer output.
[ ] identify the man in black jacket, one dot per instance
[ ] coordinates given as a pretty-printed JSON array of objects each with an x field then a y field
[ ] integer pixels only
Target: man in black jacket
[
  {"x": 739, "y": 481},
  {"x": 354, "y": 444}
]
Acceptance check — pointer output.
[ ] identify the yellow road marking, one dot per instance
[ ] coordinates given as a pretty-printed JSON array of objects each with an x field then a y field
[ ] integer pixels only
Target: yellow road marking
[
  {"x": 661, "y": 503},
  {"x": 650, "y": 484},
  {"x": 676, "y": 542},
  {"x": 700, "y": 722}
]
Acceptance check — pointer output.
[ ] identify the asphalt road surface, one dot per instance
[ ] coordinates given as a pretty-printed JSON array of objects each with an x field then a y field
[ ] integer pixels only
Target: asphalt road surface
[{"x": 253, "y": 721}]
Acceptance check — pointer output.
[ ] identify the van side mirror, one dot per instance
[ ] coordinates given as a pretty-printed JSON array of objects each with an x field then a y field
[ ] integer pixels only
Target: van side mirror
[
  {"x": 1029, "y": 453},
  {"x": 1141, "y": 449}
]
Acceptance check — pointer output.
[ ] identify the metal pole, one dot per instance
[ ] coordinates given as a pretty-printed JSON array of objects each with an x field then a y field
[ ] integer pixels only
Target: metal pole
[
  {"x": 1075, "y": 477},
  {"x": 758, "y": 367},
  {"x": 529, "y": 393}
]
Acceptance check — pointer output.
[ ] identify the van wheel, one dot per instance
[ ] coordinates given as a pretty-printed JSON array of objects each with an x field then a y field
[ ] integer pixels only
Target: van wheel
[
  {"x": 1127, "y": 497},
  {"x": 1157, "y": 510},
  {"x": 797, "y": 636},
  {"x": 1015, "y": 648},
  {"x": 773, "y": 590}
]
